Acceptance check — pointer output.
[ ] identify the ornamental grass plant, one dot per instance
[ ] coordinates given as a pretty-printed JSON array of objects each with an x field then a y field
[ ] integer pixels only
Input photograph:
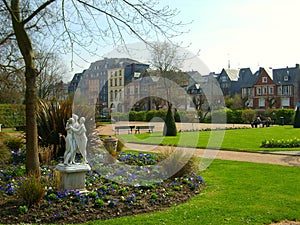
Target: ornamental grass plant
[
  {"x": 32, "y": 190},
  {"x": 177, "y": 163}
]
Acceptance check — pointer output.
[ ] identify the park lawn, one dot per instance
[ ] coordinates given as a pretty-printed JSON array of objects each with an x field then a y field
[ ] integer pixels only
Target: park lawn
[
  {"x": 236, "y": 193},
  {"x": 249, "y": 139}
]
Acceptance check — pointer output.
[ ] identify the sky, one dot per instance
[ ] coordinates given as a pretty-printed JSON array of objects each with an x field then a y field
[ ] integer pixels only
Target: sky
[{"x": 246, "y": 33}]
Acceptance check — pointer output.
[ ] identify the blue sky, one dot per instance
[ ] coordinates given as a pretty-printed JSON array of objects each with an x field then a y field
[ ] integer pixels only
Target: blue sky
[{"x": 249, "y": 33}]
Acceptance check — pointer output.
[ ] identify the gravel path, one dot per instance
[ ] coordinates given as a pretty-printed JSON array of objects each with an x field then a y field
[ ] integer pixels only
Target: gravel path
[{"x": 277, "y": 158}]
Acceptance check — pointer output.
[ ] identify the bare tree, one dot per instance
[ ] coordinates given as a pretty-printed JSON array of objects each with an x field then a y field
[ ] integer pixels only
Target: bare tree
[
  {"x": 75, "y": 25},
  {"x": 11, "y": 86},
  {"x": 51, "y": 71},
  {"x": 165, "y": 57},
  {"x": 166, "y": 60}
]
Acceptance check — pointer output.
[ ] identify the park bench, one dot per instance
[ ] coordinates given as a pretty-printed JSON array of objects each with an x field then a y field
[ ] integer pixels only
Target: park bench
[
  {"x": 148, "y": 128},
  {"x": 129, "y": 128},
  {"x": 262, "y": 123}
]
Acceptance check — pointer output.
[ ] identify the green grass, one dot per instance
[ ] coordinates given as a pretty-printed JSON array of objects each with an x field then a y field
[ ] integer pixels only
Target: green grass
[
  {"x": 9, "y": 131},
  {"x": 235, "y": 139},
  {"x": 236, "y": 193}
]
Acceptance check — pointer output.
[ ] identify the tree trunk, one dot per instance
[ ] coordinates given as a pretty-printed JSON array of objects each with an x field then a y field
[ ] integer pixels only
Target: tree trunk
[
  {"x": 32, "y": 158},
  {"x": 25, "y": 45}
]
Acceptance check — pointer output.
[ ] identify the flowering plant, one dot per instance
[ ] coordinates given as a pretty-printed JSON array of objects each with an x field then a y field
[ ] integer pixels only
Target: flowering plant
[{"x": 281, "y": 143}]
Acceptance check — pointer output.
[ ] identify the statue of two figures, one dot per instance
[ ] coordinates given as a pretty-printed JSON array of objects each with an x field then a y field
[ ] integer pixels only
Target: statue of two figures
[{"x": 76, "y": 140}]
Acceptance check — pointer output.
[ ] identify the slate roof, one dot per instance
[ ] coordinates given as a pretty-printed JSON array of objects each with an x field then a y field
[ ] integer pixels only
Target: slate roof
[
  {"x": 110, "y": 63},
  {"x": 249, "y": 80},
  {"x": 233, "y": 74},
  {"x": 292, "y": 73}
]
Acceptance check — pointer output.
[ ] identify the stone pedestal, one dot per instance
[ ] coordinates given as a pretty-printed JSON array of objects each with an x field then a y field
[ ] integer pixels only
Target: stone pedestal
[{"x": 72, "y": 176}]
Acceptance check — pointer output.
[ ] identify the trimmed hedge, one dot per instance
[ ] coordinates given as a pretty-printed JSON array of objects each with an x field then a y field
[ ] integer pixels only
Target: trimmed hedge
[
  {"x": 245, "y": 116},
  {"x": 12, "y": 115}
]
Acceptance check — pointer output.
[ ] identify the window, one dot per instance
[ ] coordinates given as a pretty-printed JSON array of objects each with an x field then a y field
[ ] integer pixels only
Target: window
[
  {"x": 116, "y": 82},
  {"x": 279, "y": 90},
  {"x": 250, "y": 103},
  {"x": 285, "y": 102},
  {"x": 265, "y": 90},
  {"x": 286, "y": 78},
  {"x": 261, "y": 102},
  {"x": 264, "y": 79},
  {"x": 271, "y": 90},
  {"x": 120, "y": 82},
  {"x": 223, "y": 78},
  {"x": 244, "y": 91},
  {"x": 286, "y": 90},
  {"x": 258, "y": 91},
  {"x": 250, "y": 91}
]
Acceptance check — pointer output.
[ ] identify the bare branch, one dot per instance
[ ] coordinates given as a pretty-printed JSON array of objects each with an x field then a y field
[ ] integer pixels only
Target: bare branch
[
  {"x": 37, "y": 11},
  {"x": 115, "y": 18}
]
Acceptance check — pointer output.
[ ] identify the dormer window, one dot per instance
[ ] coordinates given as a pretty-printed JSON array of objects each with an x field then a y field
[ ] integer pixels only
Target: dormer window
[
  {"x": 223, "y": 78},
  {"x": 264, "y": 79},
  {"x": 286, "y": 78}
]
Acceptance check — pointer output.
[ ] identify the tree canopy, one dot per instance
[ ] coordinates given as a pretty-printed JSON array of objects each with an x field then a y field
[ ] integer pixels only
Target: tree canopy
[{"x": 73, "y": 26}]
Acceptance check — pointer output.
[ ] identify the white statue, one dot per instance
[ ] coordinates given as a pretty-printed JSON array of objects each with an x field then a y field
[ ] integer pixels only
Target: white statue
[
  {"x": 70, "y": 142},
  {"x": 81, "y": 138},
  {"x": 76, "y": 140}
]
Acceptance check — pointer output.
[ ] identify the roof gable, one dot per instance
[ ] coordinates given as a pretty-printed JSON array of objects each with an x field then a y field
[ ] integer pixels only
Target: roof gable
[
  {"x": 261, "y": 74},
  {"x": 233, "y": 74}
]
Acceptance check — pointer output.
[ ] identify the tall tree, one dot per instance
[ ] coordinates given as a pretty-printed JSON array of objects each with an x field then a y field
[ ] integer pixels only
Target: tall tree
[
  {"x": 75, "y": 25},
  {"x": 166, "y": 59},
  {"x": 51, "y": 71}
]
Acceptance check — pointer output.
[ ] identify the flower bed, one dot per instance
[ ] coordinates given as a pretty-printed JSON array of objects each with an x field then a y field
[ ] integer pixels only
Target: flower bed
[
  {"x": 105, "y": 199},
  {"x": 281, "y": 143}
]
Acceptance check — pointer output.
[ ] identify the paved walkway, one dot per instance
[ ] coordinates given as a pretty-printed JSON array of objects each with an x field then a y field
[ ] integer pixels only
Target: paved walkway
[{"x": 285, "y": 158}]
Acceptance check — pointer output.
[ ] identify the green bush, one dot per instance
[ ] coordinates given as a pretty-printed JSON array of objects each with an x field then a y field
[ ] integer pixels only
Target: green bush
[
  {"x": 177, "y": 117},
  {"x": 248, "y": 115},
  {"x": 287, "y": 114},
  {"x": 297, "y": 119},
  {"x": 140, "y": 116},
  {"x": 230, "y": 116},
  {"x": 150, "y": 115},
  {"x": 219, "y": 116},
  {"x": 132, "y": 115},
  {"x": 170, "y": 128},
  {"x": 237, "y": 116},
  {"x": 12, "y": 115},
  {"x": 31, "y": 191},
  {"x": 185, "y": 116},
  {"x": 118, "y": 116},
  {"x": 5, "y": 154},
  {"x": 14, "y": 143}
]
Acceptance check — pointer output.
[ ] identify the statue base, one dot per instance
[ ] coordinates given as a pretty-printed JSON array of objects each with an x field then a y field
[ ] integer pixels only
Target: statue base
[{"x": 72, "y": 176}]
